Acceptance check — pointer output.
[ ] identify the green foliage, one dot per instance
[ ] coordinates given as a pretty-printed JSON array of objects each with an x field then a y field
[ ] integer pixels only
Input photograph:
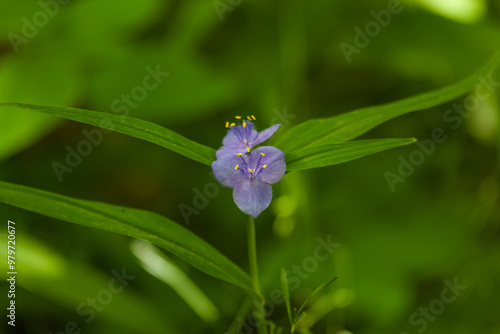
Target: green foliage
[
  {"x": 333, "y": 154},
  {"x": 130, "y": 222},
  {"x": 298, "y": 314},
  {"x": 53, "y": 277},
  {"x": 396, "y": 249},
  {"x": 134, "y": 127},
  {"x": 311, "y": 144},
  {"x": 347, "y": 126},
  {"x": 315, "y": 143}
]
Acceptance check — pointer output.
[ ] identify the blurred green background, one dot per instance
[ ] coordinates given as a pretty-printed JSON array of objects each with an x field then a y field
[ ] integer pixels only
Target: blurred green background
[{"x": 282, "y": 62}]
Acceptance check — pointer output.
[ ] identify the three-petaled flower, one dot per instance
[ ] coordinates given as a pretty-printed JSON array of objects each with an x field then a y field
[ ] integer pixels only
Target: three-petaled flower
[{"x": 249, "y": 173}]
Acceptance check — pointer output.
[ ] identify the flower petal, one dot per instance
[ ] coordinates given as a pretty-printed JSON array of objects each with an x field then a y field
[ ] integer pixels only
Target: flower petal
[
  {"x": 252, "y": 196},
  {"x": 240, "y": 136},
  {"x": 275, "y": 161},
  {"x": 225, "y": 172},
  {"x": 265, "y": 134},
  {"x": 229, "y": 151}
]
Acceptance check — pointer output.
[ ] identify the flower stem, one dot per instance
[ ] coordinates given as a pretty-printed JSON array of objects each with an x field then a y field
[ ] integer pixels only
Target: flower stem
[
  {"x": 252, "y": 255},
  {"x": 254, "y": 273}
]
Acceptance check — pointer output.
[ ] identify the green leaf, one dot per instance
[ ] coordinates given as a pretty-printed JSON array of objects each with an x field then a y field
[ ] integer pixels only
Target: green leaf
[
  {"x": 333, "y": 154},
  {"x": 130, "y": 222},
  {"x": 299, "y": 317},
  {"x": 158, "y": 264},
  {"x": 300, "y": 314},
  {"x": 130, "y": 126},
  {"x": 286, "y": 293},
  {"x": 347, "y": 126},
  {"x": 61, "y": 280}
]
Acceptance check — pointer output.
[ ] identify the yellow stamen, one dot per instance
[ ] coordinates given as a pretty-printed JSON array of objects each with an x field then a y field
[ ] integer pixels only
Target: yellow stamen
[
  {"x": 253, "y": 117},
  {"x": 227, "y": 124},
  {"x": 235, "y": 168},
  {"x": 239, "y": 153},
  {"x": 250, "y": 170},
  {"x": 262, "y": 154},
  {"x": 233, "y": 124},
  {"x": 264, "y": 166},
  {"x": 244, "y": 124},
  {"x": 248, "y": 149},
  {"x": 248, "y": 117},
  {"x": 237, "y": 117}
]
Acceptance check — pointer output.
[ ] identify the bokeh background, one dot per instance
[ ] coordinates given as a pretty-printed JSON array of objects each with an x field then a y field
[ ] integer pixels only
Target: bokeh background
[{"x": 282, "y": 62}]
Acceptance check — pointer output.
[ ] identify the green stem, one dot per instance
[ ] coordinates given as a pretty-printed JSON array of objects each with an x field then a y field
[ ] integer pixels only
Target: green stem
[
  {"x": 254, "y": 273},
  {"x": 252, "y": 256}
]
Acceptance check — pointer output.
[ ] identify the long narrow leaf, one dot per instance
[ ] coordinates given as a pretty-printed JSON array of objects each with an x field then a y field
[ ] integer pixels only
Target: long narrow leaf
[
  {"x": 300, "y": 313},
  {"x": 320, "y": 288},
  {"x": 347, "y": 126},
  {"x": 286, "y": 294},
  {"x": 333, "y": 154},
  {"x": 130, "y": 126},
  {"x": 131, "y": 222}
]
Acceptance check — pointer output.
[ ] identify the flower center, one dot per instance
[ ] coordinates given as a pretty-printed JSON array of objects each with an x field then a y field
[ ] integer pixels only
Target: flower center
[{"x": 246, "y": 165}]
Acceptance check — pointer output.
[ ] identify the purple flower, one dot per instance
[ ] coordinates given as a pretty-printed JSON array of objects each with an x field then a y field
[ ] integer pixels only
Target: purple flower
[
  {"x": 249, "y": 174},
  {"x": 243, "y": 136}
]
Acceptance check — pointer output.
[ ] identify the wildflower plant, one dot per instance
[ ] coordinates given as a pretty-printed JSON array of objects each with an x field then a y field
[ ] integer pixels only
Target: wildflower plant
[{"x": 241, "y": 164}]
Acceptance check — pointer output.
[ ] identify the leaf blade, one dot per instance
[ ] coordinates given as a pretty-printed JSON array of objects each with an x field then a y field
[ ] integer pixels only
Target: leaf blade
[
  {"x": 350, "y": 125},
  {"x": 323, "y": 286},
  {"x": 134, "y": 127},
  {"x": 130, "y": 222},
  {"x": 333, "y": 154}
]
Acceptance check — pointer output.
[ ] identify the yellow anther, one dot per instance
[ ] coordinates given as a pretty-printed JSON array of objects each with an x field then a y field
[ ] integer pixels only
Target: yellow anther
[
  {"x": 244, "y": 124},
  {"x": 233, "y": 124},
  {"x": 227, "y": 124},
  {"x": 235, "y": 168},
  {"x": 239, "y": 153},
  {"x": 248, "y": 149},
  {"x": 264, "y": 166},
  {"x": 237, "y": 117},
  {"x": 250, "y": 170},
  {"x": 262, "y": 154},
  {"x": 253, "y": 117},
  {"x": 248, "y": 117}
]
